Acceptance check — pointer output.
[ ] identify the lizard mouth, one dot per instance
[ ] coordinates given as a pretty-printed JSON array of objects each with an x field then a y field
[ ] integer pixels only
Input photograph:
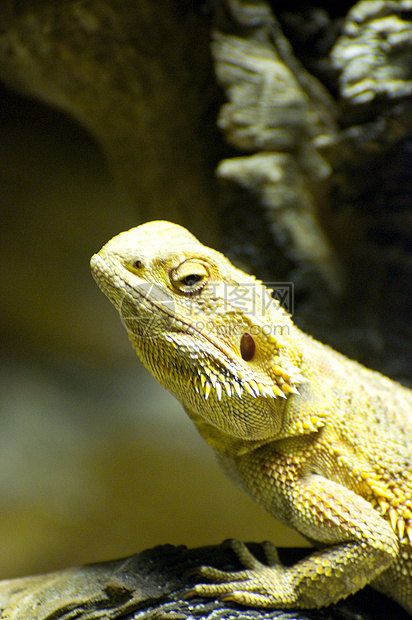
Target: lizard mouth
[
  {"x": 221, "y": 371},
  {"x": 106, "y": 278}
]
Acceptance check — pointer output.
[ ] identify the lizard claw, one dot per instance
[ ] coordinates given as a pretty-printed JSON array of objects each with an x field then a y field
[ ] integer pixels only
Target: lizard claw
[
  {"x": 250, "y": 599},
  {"x": 251, "y": 586}
]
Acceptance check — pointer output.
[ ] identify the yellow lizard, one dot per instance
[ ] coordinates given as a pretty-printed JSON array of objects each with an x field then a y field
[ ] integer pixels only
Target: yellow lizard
[{"x": 322, "y": 443}]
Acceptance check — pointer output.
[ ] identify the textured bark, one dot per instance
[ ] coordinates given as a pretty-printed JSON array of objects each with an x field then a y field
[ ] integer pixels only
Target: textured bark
[
  {"x": 151, "y": 585},
  {"x": 326, "y": 166}
]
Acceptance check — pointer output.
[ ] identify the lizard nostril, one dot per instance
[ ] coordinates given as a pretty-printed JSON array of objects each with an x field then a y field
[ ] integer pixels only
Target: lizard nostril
[{"x": 247, "y": 347}]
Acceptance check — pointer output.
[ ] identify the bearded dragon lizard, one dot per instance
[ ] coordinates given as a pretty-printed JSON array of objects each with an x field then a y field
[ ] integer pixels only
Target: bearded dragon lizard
[{"x": 322, "y": 443}]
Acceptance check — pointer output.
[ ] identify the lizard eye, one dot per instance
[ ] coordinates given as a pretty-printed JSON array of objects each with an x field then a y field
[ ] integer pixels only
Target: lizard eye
[{"x": 190, "y": 277}]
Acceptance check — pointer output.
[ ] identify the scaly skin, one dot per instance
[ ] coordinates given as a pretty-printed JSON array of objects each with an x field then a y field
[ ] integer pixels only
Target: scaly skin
[{"x": 322, "y": 443}]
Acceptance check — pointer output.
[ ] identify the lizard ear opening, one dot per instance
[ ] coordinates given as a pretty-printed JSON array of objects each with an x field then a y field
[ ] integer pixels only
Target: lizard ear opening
[
  {"x": 247, "y": 347},
  {"x": 190, "y": 276}
]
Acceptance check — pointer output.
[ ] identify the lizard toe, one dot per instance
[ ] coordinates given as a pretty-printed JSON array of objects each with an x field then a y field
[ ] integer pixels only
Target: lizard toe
[
  {"x": 249, "y": 561},
  {"x": 249, "y": 599},
  {"x": 271, "y": 554},
  {"x": 214, "y": 574}
]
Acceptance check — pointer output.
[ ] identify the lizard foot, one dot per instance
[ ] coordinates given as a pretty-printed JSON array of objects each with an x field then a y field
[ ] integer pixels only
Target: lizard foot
[{"x": 259, "y": 585}]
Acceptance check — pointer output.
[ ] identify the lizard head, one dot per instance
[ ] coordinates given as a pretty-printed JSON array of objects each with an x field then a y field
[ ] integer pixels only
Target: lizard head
[{"x": 207, "y": 331}]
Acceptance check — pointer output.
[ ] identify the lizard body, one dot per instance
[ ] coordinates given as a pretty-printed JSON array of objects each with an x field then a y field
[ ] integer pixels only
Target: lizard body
[{"x": 322, "y": 443}]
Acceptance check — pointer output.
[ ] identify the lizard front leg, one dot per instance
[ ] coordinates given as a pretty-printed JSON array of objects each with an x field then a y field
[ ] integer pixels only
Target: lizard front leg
[{"x": 361, "y": 546}]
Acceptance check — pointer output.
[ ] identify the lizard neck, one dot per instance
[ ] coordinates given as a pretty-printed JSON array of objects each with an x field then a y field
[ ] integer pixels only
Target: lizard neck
[{"x": 223, "y": 443}]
